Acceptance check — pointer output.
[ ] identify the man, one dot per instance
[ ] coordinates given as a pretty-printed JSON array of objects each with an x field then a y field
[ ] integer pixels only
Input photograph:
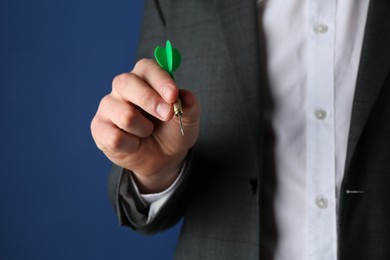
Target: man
[{"x": 289, "y": 157}]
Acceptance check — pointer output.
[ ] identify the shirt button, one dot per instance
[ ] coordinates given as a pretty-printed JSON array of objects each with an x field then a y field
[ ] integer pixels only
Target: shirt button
[
  {"x": 321, "y": 202},
  {"x": 320, "y": 114},
  {"x": 320, "y": 28}
]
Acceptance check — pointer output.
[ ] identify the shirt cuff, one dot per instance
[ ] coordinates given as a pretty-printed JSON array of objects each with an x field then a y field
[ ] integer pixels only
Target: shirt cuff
[{"x": 157, "y": 200}]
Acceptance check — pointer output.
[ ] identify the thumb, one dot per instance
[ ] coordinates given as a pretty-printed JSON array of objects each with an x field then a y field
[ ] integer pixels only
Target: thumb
[
  {"x": 169, "y": 136},
  {"x": 191, "y": 110}
]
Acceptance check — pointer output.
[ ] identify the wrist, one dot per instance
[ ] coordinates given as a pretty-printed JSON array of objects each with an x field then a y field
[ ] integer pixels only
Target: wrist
[{"x": 159, "y": 180}]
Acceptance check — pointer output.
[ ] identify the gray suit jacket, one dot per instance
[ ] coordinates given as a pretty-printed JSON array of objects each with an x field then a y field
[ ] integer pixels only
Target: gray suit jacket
[{"x": 219, "y": 197}]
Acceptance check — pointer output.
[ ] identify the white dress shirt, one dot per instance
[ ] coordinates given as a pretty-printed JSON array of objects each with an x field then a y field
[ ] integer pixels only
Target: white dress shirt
[{"x": 313, "y": 51}]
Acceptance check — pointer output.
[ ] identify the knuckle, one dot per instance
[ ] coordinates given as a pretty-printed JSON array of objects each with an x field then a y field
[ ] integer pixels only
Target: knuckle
[
  {"x": 104, "y": 102},
  {"x": 147, "y": 99},
  {"x": 161, "y": 82},
  {"x": 93, "y": 126},
  {"x": 126, "y": 118},
  {"x": 120, "y": 81},
  {"x": 114, "y": 141},
  {"x": 143, "y": 65}
]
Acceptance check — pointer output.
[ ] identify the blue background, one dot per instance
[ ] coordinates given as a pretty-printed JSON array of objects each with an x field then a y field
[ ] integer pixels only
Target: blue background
[{"x": 57, "y": 60}]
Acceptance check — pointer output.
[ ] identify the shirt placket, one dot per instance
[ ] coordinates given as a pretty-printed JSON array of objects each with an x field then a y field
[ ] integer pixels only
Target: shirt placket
[{"x": 321, "y": 204}]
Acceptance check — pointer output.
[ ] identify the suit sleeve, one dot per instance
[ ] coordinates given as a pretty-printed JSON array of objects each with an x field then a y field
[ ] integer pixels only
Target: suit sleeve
[
  {"x": 133, "y": 212},
  {"x": 129, "y": 207}
]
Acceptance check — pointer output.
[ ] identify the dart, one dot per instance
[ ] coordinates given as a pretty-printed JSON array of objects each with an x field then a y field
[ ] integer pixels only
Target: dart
[{"x": 169, "y": 59}]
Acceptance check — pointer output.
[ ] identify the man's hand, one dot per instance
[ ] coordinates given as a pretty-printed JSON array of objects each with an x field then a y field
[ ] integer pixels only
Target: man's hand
[{"x": 136, "y": 129}]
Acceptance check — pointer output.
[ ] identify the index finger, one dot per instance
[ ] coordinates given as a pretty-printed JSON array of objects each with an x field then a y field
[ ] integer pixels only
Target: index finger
[
  {"x": 130, "y": 88},
  {"x": 157, "y": 78}
]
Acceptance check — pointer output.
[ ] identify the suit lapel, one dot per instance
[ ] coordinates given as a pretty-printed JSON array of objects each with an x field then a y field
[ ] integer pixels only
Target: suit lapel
[
  {"x": 239, "y": 27},
  {"x": 373, "y": 70}
]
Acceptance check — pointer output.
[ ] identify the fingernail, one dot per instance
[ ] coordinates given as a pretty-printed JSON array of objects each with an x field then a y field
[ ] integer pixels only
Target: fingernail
[{"x": 163, "y": 110}]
